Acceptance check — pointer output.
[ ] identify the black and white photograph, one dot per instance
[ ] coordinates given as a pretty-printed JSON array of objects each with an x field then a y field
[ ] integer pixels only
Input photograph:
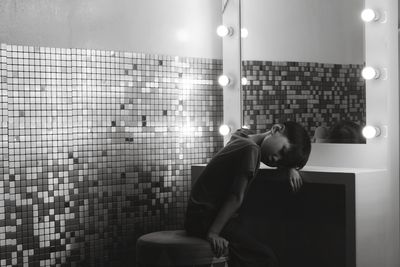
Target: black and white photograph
[{"x": 199, "y": 133}]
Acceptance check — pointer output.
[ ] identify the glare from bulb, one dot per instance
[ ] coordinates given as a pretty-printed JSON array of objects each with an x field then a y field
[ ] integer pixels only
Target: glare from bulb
[
  {"x": 182, "y": 36},
  {"x": 371, "y": 131},
  {"x": 368, "y": 15},
  {"x": 244, "y": 81},
  {"x": 224, "y": 129},
  {"x": 370, "y": 73},
  {"x": 223, "y": 31},
  {"x": 244, "y": 33},
  {"x": 223, "y": 80}
]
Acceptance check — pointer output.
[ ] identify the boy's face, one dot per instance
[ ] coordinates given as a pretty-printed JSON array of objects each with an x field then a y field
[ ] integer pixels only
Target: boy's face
[{"x": 273, "y": 148}]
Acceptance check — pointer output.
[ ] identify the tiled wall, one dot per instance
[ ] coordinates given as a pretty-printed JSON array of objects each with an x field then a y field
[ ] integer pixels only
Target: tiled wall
[
  {"x": 96, "y": 149},
  {"x": 314, "y": 94},
  {"x": 96, "y": 146}
]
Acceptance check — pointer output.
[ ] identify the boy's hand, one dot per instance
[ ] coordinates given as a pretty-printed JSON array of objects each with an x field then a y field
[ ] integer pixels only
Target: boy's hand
[
  {"x": 295, "y": 180},
  {"x": 218, "y": 244}
]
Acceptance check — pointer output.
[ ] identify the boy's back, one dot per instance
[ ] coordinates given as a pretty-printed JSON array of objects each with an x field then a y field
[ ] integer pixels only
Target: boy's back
[{"x": 240, "y": 157}]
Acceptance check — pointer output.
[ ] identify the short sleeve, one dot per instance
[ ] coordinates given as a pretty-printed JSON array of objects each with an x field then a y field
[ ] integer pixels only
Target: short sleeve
[
  {"x": 248, "y": 166},
  {"x": 251, "y": 159}
]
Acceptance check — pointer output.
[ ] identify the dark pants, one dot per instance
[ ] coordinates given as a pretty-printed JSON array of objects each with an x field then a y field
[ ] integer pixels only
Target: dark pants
[{"x": 244, "y": 249}]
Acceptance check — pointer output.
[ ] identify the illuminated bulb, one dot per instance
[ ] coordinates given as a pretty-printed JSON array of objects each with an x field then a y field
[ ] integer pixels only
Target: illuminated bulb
[
  {"x": 370, "y": 73},
  {"x": 223, "y": 31},
  {"x": 244, "y": 81},
  {"x": 244, "y": 33},
  {"x": 371, "y": 131},
  {"x": 224, "y": 129},
  {"x": 368, "y": 15},
  {"x": 223, "y": 80}
]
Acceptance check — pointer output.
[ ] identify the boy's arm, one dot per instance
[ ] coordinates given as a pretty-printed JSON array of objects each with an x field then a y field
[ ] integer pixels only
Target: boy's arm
[{"x": 230, "y": 206}]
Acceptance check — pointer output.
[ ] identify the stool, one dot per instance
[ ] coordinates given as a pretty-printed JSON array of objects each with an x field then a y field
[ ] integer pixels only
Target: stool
[{"x": 175, "y": 248}]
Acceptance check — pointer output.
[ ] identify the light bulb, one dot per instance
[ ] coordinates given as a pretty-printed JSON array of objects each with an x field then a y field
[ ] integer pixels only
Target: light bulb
[
  {"x": 223, "y": 80},
  {"x": 244, "y": 33},
  {"x": 223, "y": 31},
  {"x": 370, "y": 73},
  {"x": 244, "y": 81},
  {"x": 371, "y": 131},
  {"x": 224, "y": 129},
  {"x": 368, "y": 15}
]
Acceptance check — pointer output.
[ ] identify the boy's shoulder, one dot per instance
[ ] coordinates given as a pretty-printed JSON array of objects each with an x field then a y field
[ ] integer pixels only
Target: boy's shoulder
[
  {"x": 242, "y": 132},
  {"x": 240, "y": 146},
  {"x": 240, "y": 138}
]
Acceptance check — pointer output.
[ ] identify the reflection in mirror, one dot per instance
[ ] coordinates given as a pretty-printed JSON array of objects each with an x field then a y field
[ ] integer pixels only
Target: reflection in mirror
[{"x": 303, "y": 61}]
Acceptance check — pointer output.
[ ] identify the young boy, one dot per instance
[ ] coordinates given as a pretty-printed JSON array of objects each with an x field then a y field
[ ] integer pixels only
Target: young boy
[{"x": 219, "y": 191}]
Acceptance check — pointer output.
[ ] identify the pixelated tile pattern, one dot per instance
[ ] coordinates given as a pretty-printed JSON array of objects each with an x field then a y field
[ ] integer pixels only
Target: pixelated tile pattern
[
  {"x": 100, "y": 145},
  {"x": 313, "y": 94},
  {"x": 6, "y": 227}
]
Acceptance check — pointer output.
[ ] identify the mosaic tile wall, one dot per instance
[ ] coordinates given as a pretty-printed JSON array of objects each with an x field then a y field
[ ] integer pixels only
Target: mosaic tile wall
[
  {"x": 313, "y": 94},
  {"x": 96, "y": 149}
]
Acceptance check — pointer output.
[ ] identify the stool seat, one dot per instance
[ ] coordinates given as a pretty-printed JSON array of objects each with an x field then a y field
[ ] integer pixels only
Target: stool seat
[{"x": 174, "y": 248}]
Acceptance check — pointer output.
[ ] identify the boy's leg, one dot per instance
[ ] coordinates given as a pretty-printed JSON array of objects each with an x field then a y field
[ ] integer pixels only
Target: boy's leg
[
  {"x": 244, "y": 250},
  {"x": 197, "y": 222}
]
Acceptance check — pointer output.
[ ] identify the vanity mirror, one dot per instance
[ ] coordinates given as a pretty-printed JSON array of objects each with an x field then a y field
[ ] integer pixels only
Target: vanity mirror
[{"x": 302, "y": 60}]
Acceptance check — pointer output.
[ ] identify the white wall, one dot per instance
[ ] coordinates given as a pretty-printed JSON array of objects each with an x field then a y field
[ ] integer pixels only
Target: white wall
[
  {"x": 325, "y": 31},
  {"x": 382, "y": 97},
  {"x": 173, "y": 27}
]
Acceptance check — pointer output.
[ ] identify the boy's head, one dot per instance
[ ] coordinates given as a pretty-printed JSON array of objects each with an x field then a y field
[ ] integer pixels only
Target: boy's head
[{"x": 288, "y": 145}]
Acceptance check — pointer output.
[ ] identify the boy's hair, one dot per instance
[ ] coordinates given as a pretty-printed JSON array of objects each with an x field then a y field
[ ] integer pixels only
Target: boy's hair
[{"x": 300, "y": 146}]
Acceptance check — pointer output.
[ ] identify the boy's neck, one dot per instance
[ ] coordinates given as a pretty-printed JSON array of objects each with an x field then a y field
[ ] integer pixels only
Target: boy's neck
[{"x": 259, "y": 138}]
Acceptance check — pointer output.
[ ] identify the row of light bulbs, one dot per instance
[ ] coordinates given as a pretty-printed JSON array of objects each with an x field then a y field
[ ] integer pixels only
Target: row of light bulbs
[
  {"x": 368, "y": 131},
  {"x": 368, "y": 72}
]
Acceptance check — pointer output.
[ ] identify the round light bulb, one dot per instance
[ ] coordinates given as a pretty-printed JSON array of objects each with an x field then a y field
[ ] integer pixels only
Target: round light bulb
[
  {"x": 369, "y": 15},
  {"x": 223, "y": 80},
  {"x": 224, "y": 129},
  {"x": 244, "y": 33},
  {"x": 371, "y": 131},
  {"x": 370, "y": 73},
  {"x": 223, "y": 31},
  {"x": 244, "y": 81}
]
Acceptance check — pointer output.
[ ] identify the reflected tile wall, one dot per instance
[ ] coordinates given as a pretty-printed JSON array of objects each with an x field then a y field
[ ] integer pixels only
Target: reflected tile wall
[
  {"x": 313, "y": 94},
  {"x": 5, "y": 225},
  {"x": 96, "y": 149}
]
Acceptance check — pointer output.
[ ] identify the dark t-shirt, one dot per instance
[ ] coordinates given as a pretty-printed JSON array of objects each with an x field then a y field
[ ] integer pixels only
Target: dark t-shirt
[{"x": 240, "y": 157}]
